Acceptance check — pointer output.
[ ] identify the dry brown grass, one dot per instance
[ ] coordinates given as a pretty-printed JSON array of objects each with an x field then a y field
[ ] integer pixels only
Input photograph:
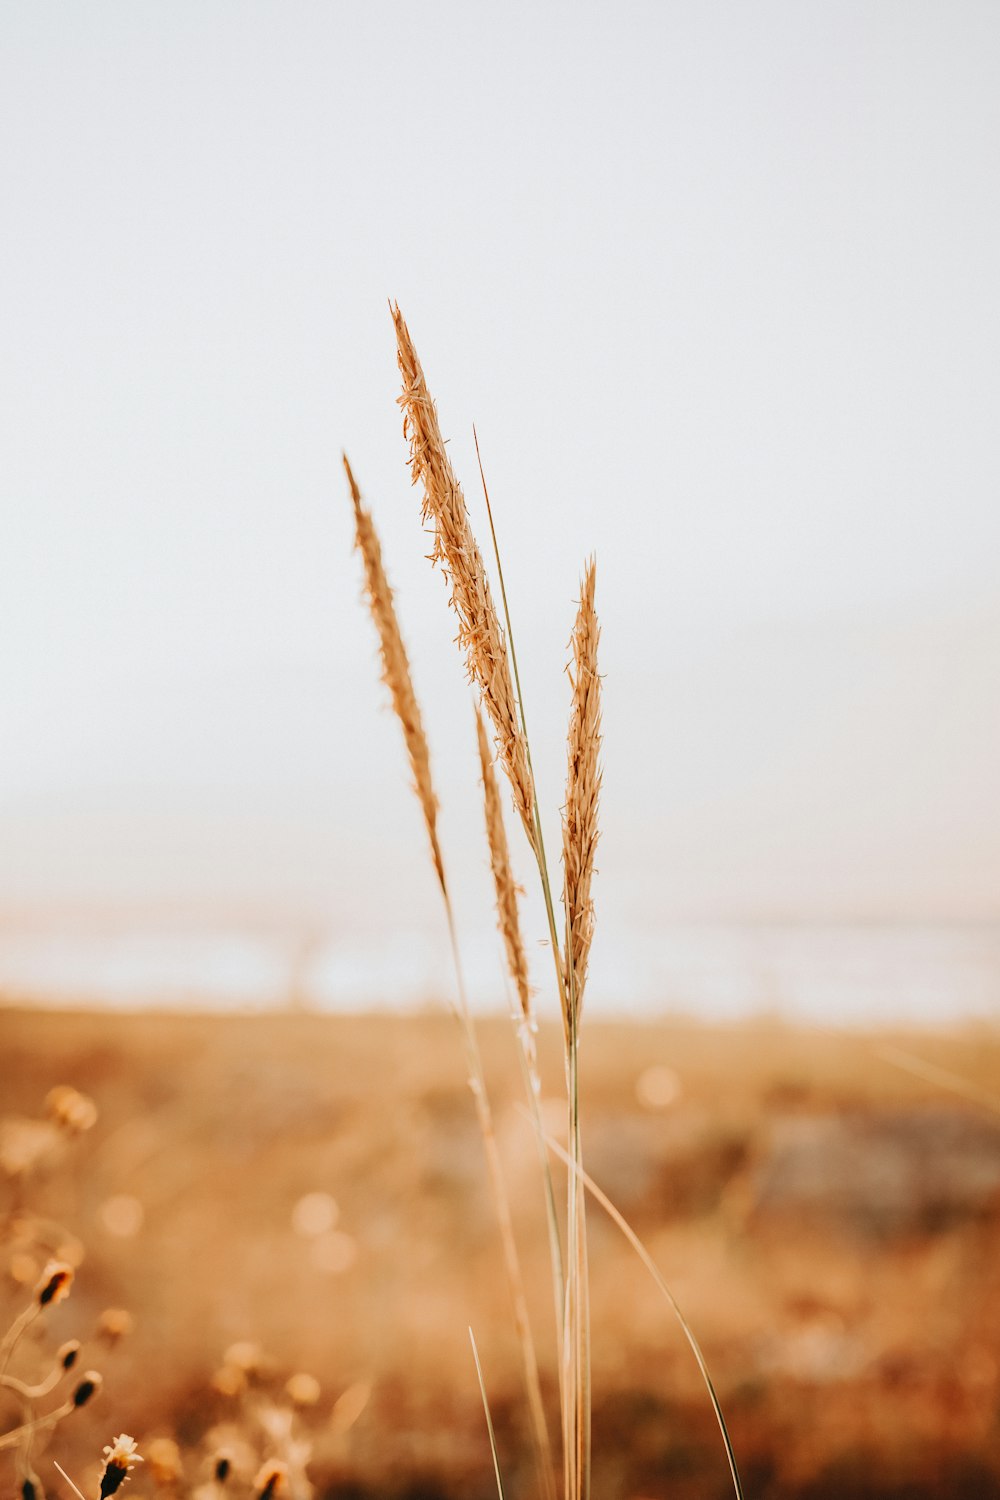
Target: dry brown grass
[{"x": 220, "y": 1124}]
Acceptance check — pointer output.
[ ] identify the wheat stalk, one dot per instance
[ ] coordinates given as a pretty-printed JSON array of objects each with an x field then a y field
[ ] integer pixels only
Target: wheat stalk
[{"x": 480, "y": 633}]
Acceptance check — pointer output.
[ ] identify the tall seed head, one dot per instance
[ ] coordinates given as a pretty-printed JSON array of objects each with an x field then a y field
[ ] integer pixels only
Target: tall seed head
[
  {"x": 583, "y": 787},
  {"x": 396, "y": 666},
  {"x": 503, "y": 880},
  {"x": 480, "y": 634}
]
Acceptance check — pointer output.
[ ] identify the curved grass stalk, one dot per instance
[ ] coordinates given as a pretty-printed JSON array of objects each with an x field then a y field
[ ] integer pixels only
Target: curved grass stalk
[{"x": 12, "y": 1337}]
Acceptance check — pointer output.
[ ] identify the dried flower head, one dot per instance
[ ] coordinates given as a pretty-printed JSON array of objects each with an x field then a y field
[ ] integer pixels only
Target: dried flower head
[
  {"x": 228, "y": 1381},
  {"x": 165, "y": 1463},
  {"x": 114, "y": 1323},
  {"x": 505, "y": 887},
  {"x": 272, "y": 1480},
  {"x": 222, "y": 1466},
  {"x": 55, "y": 1283},
  {"x": 303, "y": 1389},
  {"x": 89, "y": 1386},
  {"x": 72, "y": 1111},
  {"x": 67, "y": 1353},
  {"x": 245, "y": 1356},
  {"x": 24, "y": 1144},
  {"x": 120, "y": 1458}
]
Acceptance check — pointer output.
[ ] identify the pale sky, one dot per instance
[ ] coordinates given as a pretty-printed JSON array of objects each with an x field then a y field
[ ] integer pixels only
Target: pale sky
[{"x": 718, "y": 285}]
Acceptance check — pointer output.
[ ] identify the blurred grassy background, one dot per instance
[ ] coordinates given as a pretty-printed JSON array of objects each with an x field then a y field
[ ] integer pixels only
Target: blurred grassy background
[{"x": 829, "y": 1224}]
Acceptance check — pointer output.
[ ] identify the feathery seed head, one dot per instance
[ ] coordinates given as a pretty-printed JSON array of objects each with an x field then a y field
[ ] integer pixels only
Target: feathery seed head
[
  {"x": 396, "y": 667},
  {"x": 480, "y": 634},
  {"x": 505, "y": 887},
  {"x": 583, "y": 787}
]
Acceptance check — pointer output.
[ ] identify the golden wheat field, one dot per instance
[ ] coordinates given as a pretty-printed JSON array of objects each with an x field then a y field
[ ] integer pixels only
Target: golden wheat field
[{"x": 302, "y": 1199}]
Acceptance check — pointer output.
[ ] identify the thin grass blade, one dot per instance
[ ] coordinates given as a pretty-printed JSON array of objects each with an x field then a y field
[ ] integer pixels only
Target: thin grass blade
[{"x": 489, "y": 1419}]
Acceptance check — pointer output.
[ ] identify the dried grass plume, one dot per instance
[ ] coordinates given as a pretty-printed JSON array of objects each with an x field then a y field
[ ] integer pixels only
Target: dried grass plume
[
  {"x": 396, "y": 666},
  {"x": 503, "y": 880},
  {"x": 583, "y": 787},
  {"x": 480, "y": 633}
]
